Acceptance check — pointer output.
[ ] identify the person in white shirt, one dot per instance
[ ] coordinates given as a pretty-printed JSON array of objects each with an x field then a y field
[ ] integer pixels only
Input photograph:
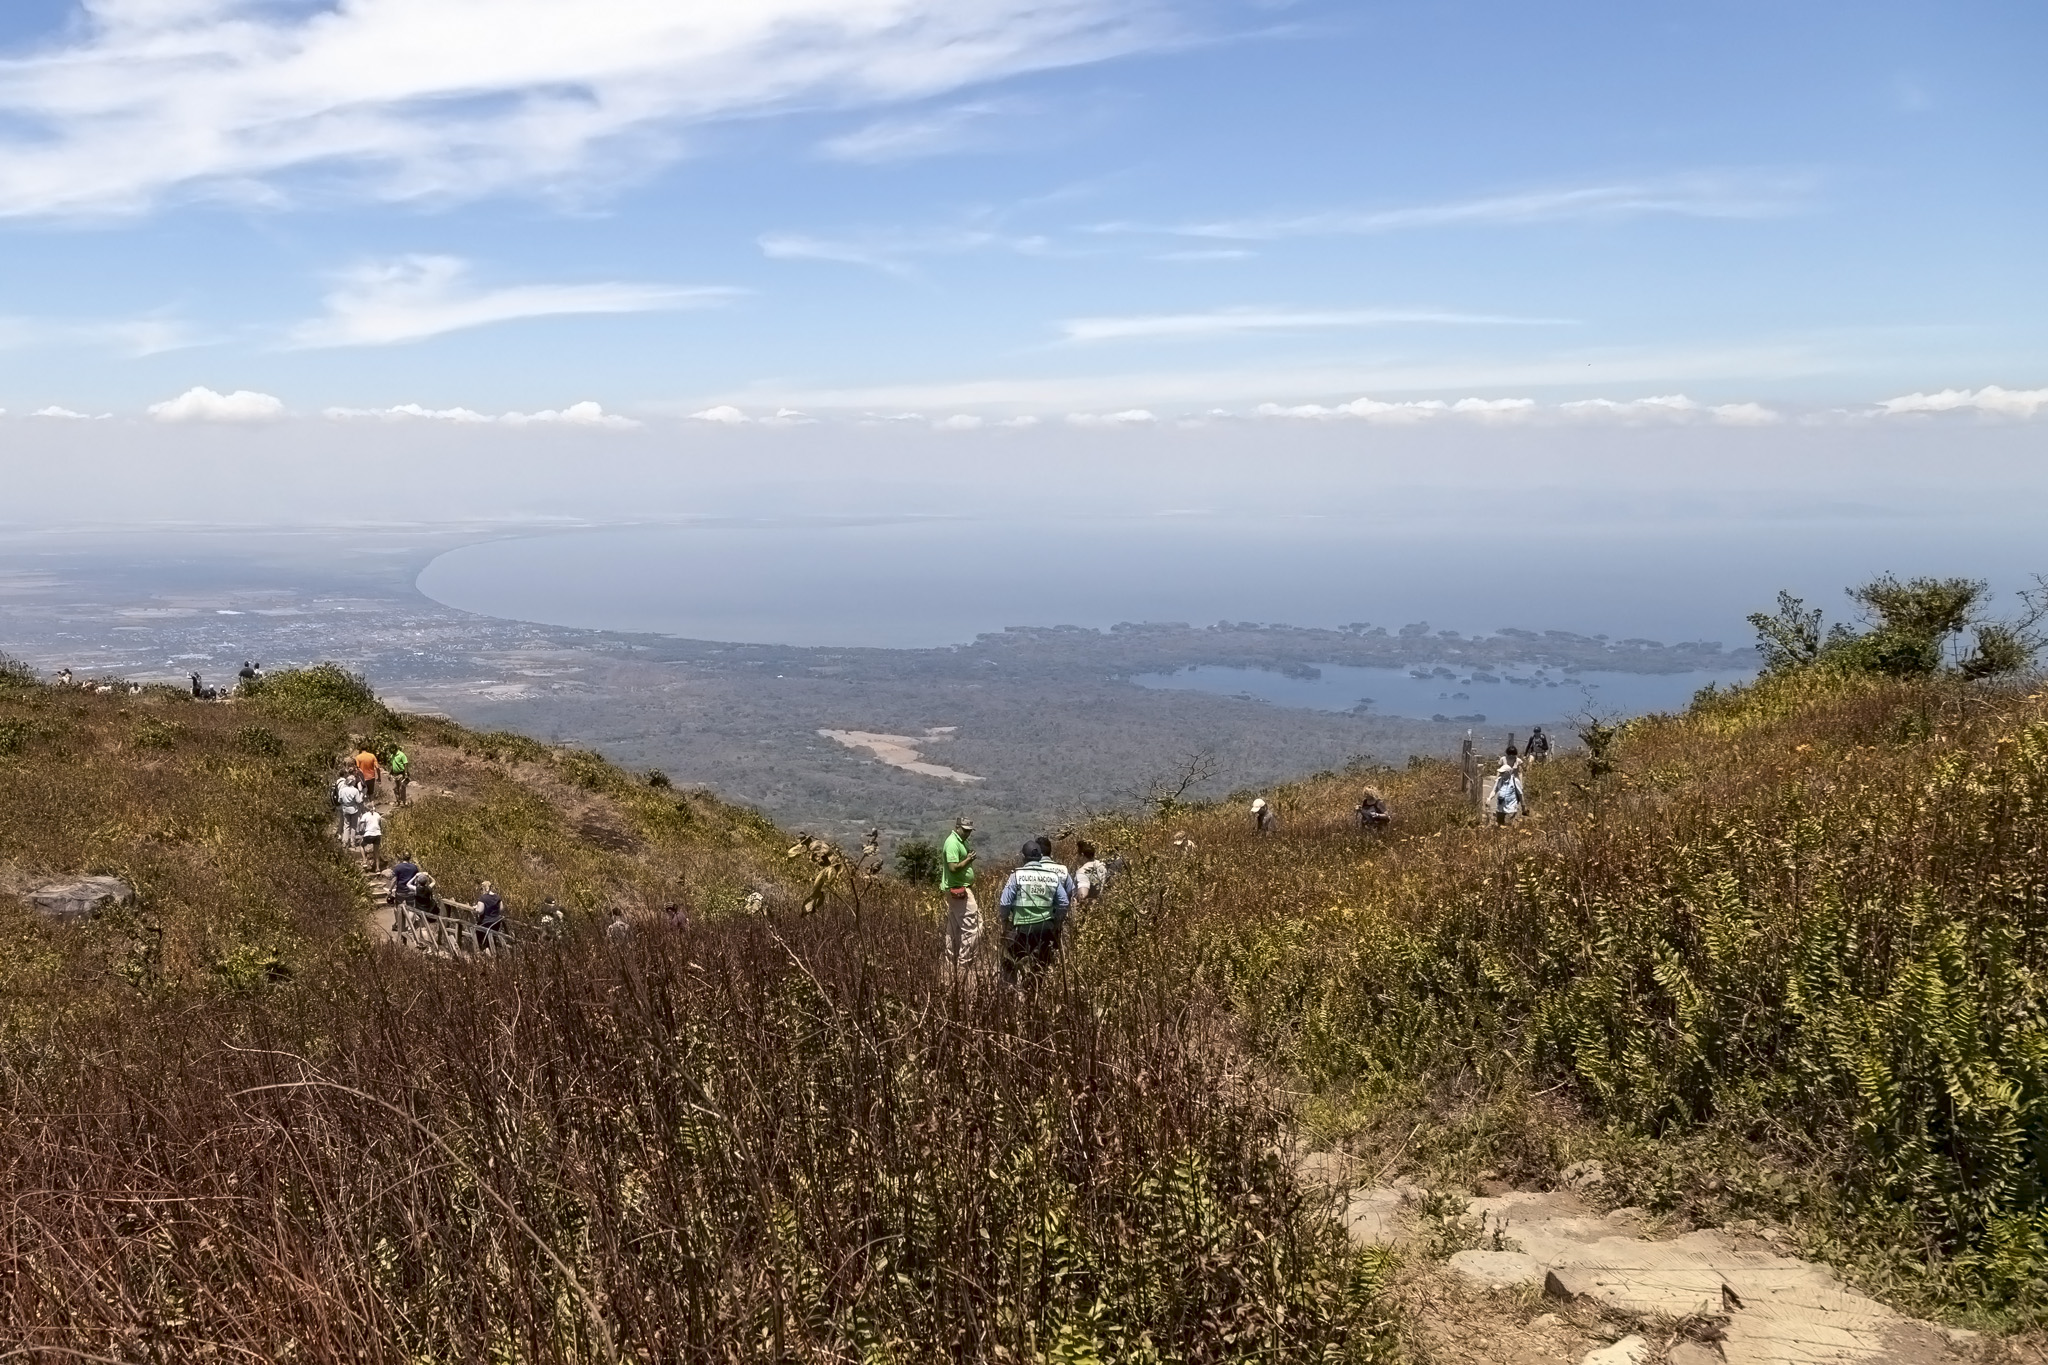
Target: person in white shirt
[
  {"x": 1262, "y": 816},
  {"x": 370, "y": 833},
  {"x": 348, "y": 799},
  {"x": 1091, "y": 879}
]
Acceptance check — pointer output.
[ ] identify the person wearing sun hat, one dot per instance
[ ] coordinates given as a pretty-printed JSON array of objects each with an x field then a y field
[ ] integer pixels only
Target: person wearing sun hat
[{"x": 956, "y": 879}]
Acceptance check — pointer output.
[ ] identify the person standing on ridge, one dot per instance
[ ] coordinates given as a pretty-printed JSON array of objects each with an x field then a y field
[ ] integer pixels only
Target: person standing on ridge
[
  {"x": 1034, "y": 908},
  {"x": 956, "y": 879},
  {"x": 401, "y": 777},
  {"x": 1539, "y": 746},
  {"x": 366, "y": 768},
  {"x": 1262, "y": 816}
]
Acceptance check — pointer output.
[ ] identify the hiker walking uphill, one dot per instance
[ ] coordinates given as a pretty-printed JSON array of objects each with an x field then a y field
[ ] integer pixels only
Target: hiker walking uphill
[
  {"x": 956, "y": 879},
  {"x": 1034, "y": 907},
  {"x": 366, "y": 770},
  {"x": 1262, "y": 816},
  {"x": 1091, "y": 878},
  {"x": 1507, "y": 788},
  {"x": 1372, "y": 810},
  {"x": 348, "y": 803}
]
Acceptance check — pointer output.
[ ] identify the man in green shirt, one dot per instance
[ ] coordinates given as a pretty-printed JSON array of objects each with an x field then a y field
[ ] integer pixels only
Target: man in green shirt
[
  {"x": 401, "y": 776},
  {"x": 956, "y": 879}
]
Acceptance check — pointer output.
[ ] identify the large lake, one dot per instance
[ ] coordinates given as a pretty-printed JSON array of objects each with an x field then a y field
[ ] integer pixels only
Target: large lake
[
  {"x": 906, "y": 583},
  {"x": 1511, "y": 696}
]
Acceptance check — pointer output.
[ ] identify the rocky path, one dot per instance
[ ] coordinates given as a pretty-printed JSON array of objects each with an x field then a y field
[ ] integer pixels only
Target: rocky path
[{"x": 1554, "y": 1279}]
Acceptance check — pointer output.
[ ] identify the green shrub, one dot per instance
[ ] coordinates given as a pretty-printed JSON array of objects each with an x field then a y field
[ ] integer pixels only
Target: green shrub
[
  {"x": 259, "y": 740},
  {"x": 16, "y": 674},
  {"x": 150, "y": 733},
  {"x": 324, "y": 691},
  {"x": 918, "y": 862}
]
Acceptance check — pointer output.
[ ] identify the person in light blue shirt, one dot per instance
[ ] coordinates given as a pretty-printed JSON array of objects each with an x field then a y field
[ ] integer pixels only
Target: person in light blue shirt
[{"x": 1034, "y": 908}]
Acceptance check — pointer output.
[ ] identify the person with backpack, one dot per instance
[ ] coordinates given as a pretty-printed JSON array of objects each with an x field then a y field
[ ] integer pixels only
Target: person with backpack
[
  {"x": 956, "y": 880},
  {"x": 401, "y": 775},
  {"x": 402, "y": 873},
  {"x": 1538, "y": 750},
  {"x": 1372, "y": 810},
  {"x": 1034, "y": 907},
  {"x": 1091, "y": 879},
  {"x": 490, "y": 919},
  {"x": 1262, "y": 816}
]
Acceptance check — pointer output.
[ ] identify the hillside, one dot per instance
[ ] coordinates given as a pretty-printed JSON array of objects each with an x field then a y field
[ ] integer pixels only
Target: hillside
[
  {"x": 1783, "y": 961},
  {"x": 1776, "y": 962}
]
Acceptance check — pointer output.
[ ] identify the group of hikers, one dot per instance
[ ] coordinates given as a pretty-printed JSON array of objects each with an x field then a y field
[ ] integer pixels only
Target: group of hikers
[
  {"x": 1036, "y": 905},
  {"x": 355, "y": 795}
]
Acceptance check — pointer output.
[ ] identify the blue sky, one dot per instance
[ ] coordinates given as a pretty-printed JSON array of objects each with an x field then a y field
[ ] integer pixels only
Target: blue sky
[{"x": 982, "y": 211}]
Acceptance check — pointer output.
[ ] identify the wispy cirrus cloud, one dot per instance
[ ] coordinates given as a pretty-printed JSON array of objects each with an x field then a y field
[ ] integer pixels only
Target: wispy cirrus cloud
[
  {"x": 131, "y": 337},
  {"x": 1225, "y": 322},
  {"x": 893, "y": 251},
  {"x": 384, "y": 303},
  {"x": 905, "y": 137},
  {"x": 1692, "y": 196},
  {"x": 441, "y": 99}
]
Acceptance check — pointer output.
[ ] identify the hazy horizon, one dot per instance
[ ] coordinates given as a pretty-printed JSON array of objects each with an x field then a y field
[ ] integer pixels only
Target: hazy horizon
[{"x": 1702, "y": 299}]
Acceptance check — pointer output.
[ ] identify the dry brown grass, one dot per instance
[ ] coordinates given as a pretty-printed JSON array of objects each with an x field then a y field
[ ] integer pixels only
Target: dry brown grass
[{"x": 769, "y": 1136}]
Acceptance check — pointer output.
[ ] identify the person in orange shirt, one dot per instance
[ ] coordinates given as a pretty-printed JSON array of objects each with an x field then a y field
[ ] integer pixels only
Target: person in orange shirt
[{"x": 366, "y": 765}]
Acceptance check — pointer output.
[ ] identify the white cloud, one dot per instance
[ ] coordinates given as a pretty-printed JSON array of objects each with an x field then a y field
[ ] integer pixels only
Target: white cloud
[
  {"x": 584, "y": 414},
  {"x": 455, "y": 99},
  {"x": 66, "y": 414},
  {"x": 202, "y": 404},
  {"x": 1690, "y": 196},
  {"x": 959, "y": 421},
  {"x": 789, "y": 417},
  {"x": 900, "y": 138},
  {"x": 1666, "y": 405},
  {"x": 1989, "y": 399},
  {"x": 723, "y": 415},
  {"x": 406, "y": 412},
  {"x": 415, "y": 297},
  {"x": 1132, "y": 417},
  {"x": 1744, "y": 415},
  {"x": 1236, "y": 321},
  {"x": 1494, "y": 409},
  {"x": 1404, "y": 413}
]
